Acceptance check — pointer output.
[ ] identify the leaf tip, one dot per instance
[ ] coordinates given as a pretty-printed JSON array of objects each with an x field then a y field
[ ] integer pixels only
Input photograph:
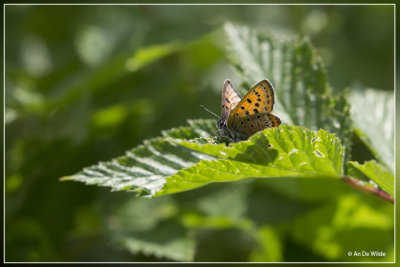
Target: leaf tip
[{"x": 64, "y": 178}]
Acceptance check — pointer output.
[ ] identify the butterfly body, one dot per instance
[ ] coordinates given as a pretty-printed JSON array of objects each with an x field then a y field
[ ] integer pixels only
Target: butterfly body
[{"x": 241, "y": 118}]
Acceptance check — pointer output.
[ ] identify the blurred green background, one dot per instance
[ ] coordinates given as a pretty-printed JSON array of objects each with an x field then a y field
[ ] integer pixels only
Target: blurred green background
[{"x": 86, "y": 83}]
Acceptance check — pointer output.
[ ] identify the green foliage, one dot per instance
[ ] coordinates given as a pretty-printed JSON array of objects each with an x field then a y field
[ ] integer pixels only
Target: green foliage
[
  {"x": 295, "y": 153},
  {"x": 278, "y": 152},
  {"x": 373, "y": 113},
  {"x": 161, "y": 166},
  {"x": 373, "y": 171},
  {"x": 189, "y": 157},
  {"x": 350, "y": 224},
  {"x": 84, "y": 83},
  {"x": 148, "y": 55},
  {"x": 145, "y": 168},
  {"x": 170, "y": 240}
]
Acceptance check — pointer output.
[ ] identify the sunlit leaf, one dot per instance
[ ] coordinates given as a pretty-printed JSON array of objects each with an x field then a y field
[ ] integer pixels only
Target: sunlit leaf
[
  {"x": 144, "y": 168},
  {"x": 351, "y": 223},
  {"x": 276, "y": 152},
  {"x": 371, "y": 170},
  {"x": 269, "y": 247},
  {"x": 284, "y": 151},
  {"x": 149, "y": 54}
]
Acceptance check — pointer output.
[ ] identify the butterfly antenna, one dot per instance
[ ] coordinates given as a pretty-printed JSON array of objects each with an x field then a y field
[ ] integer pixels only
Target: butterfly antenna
[{"x": 206, "y": 109}]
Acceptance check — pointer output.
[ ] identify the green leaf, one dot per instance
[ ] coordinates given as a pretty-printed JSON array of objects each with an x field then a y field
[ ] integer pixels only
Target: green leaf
[
  {"x": 269, "y": 246},
  {"x": 354, "y": 222},
  {"x": 372, "y": 170},
  {"x": 288, "y": 151},
  {"x": 196, "y": 129},
  {"x": 143, "y": 169},
  {"x": 168, "y": 165},
  {"x": 303, "y": 95},
  {"x": 114, "y": 69},
  {"x": 373, "y": 115},
  {"x": 169, "y": 240},
  {"x": 147, "y": 55}
]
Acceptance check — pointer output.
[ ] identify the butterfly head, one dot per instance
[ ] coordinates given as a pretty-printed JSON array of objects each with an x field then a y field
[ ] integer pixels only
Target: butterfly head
[
  {"x": 221, "y": 126},
  {"x": 221, "y": 123}
]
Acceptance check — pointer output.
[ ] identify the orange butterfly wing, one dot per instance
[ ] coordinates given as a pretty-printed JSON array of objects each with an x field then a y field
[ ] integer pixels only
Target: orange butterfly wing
[
  {"x": 259, "y": 99},
  {"x": 252, "y": 113},
  {"x": 249, "y": 125}
]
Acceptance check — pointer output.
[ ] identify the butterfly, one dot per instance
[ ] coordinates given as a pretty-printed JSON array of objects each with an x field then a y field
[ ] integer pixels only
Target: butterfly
[{"x": 243, "y": 117}]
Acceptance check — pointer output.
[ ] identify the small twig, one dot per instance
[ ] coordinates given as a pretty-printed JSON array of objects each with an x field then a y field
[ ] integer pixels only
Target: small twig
[{"x": 369, "y": 190}]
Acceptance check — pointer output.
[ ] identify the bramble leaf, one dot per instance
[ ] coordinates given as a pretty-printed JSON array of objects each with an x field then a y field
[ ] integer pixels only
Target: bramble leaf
[
  {"x": 169, "y": 240},
  {"x": 372, "y": 170},
  {"x": 143, "y": 169},
  {"x": 373, "y": 114},
  {"x": 287, "y": 151}
]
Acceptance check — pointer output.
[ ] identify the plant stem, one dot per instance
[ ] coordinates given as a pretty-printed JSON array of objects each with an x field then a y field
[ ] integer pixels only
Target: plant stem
[{"x": 367, "y": 189}]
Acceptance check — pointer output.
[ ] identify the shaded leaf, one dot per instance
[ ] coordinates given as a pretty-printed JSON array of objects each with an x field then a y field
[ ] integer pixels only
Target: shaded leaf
[
  {"x": 373, "y": 115},
  {"x": 169, "y": 240},
  {"x": 113, "y": 69},
  {"x": 224, "y": 245}
]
